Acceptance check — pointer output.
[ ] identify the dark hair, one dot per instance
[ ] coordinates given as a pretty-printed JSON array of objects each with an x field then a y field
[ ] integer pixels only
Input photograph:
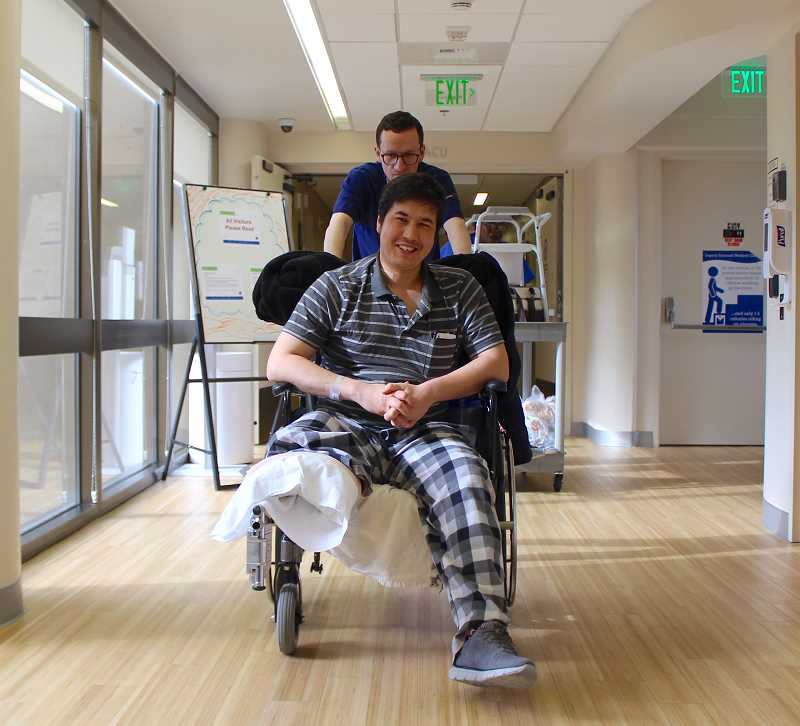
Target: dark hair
[
  {"x": 398, "y": 121},
  {"x": 420, "y": 187}
]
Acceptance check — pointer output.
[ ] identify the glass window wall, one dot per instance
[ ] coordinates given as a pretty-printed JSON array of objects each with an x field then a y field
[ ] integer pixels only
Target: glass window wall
[{"x": 51, "y": 88}]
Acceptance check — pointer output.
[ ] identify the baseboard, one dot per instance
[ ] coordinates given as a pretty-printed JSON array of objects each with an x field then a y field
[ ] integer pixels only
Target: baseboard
[
  {"x": 775, "y": 520},
  {"x": 628, "y": 439},
  {"x": 10, "y": 602}
]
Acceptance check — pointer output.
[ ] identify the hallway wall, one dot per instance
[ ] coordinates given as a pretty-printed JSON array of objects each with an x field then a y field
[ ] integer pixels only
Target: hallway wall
[
  {"x": 10, "y": 586},
  {"x": 781, "y": 466}
]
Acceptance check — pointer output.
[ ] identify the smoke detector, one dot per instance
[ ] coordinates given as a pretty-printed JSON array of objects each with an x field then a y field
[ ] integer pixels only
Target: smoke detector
[
  {"x": 457, "y": 33},
  {"x": 461, "y": 4}
]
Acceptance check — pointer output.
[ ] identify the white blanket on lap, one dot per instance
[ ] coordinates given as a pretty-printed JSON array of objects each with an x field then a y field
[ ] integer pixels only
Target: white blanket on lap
[{"x": 316, "y": 501}]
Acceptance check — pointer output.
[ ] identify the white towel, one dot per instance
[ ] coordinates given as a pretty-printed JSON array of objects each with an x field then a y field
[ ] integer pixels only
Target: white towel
[
  {"x": 315, "y": 500},
  {"x": 309, "y": 495},
  {"x": 386, "y": 542}
]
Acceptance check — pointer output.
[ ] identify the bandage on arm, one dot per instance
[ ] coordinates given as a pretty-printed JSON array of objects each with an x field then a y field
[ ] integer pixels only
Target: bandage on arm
[{"x": 292, "y": 361}]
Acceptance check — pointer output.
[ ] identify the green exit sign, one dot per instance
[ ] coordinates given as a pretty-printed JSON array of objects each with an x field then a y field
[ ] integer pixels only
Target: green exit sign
[
  {"x": 453, "y": 92},
  {"x": 744, "y": 81}
]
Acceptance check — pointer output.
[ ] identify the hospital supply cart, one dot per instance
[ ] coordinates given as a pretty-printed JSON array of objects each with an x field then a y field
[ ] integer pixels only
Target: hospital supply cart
[{"x": 552, "y": 460}]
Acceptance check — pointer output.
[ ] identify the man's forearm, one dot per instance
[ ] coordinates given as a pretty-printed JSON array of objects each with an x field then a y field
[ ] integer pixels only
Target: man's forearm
[
  {"x": 470, "y": 378},
  {"x": 311, "y": 378},
  {"x": 457, "y": 233},
  {"x": 336, "y": 234}
]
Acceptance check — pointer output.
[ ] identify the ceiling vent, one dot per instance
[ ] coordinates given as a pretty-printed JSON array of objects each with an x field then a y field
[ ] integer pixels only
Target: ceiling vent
[
  {"x": 457, "y": 33},
  {"x": 461, "y": 4}
]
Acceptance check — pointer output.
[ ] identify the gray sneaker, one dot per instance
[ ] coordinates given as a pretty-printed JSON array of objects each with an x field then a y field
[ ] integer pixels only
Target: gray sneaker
[{"x": 489, "y": 658}]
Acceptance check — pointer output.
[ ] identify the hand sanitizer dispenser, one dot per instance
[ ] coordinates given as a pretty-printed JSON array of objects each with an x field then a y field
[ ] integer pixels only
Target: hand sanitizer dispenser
[
  {"x": 777, "y": 242},
  {"x": 778, "y": 253}
]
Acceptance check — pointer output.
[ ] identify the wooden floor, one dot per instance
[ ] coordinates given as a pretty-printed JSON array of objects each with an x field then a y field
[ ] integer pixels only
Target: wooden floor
[{"x": 649, "y": 593}]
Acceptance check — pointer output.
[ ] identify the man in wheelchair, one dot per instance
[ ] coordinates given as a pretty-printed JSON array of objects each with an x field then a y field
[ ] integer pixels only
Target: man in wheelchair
[{"x": 388, "y": 332}]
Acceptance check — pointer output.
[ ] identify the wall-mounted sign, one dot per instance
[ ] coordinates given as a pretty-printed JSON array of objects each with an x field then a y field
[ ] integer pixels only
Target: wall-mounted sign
[
  {"x": 744, "y": 81},
  {"x": 732, "y": 289},
  {"x": 451, "y": 91},
  {"x": 733, "y": 234}
]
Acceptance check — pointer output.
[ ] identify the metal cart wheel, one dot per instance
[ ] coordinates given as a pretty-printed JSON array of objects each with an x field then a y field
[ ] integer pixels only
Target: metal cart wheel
[
  {"x": 510, "y": 530},
  {"x": 558, "y": 481},
  {"x": 287, "y": 621}
]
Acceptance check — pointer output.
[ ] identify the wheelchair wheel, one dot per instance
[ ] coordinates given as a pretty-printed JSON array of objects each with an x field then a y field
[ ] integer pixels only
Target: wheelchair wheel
[
  {"x": 510, "y": 528},
  {"x": 287, "y": 621}
]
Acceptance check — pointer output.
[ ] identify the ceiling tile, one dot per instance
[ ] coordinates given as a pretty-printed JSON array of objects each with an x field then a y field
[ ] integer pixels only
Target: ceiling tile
[
  {"x": 354, "y": 27},
  {"x": 618, "y": 8},
  {"x": 418, "y": 97},
  {"x": 328, "y": 7},
  {"x": 531, "y": 101},
  {"x": 369, "y": 79},
  {"x": 539, "y": 55},
  {"x": 483, "y": 28},
  {"x": 221, "y": 66},
  {"x": 594, "y": 25},
  {"x": 443, "y": 6}
]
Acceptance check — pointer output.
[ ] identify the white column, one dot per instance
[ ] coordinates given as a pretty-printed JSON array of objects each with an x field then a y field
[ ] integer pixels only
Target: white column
[
  {"x": 782, "y": 399},
  {"x": 10, "y": 569}
]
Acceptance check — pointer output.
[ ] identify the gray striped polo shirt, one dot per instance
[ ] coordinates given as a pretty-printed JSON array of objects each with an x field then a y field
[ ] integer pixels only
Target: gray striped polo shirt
[{"x": 363, "y": 330}]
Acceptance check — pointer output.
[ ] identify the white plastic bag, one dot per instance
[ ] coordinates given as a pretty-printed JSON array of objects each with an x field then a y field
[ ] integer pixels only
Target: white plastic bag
[{"x": 540, "y": 419}]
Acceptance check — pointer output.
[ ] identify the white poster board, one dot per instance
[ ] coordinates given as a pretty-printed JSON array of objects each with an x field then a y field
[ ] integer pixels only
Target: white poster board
[{"x": 234, "y": 233}]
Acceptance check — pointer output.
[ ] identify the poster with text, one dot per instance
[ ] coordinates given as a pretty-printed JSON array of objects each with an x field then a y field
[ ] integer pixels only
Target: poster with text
[
  {"x": 732, "y": 289},
  {"x": 235, "y": 232}
]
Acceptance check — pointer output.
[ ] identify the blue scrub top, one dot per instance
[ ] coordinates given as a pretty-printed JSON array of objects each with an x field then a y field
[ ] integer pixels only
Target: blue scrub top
[{"x": 361, "y": 192}]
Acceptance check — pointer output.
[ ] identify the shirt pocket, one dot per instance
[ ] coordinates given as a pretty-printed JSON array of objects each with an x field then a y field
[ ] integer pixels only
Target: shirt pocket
[{"x": 444, "y": 346}]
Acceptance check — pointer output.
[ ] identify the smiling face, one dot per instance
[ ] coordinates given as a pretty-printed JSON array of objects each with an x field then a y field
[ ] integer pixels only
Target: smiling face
[
  {"x": 398, "y": 144},
  {"x": 407, "y": 235}
]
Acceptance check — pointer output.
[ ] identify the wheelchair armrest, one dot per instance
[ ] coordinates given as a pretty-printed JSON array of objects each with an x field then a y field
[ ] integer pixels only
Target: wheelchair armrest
[
  {"x": 495, "y": 386},
  {"x": 278, "y": 389}
]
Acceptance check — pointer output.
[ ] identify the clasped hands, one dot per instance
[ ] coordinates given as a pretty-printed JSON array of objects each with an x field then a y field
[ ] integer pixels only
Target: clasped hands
[{"x": 401, "y": 404}]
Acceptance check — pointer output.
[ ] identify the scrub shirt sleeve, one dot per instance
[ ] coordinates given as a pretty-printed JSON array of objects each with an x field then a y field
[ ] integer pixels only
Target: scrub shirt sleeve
[
  {"x": 452, "y": 207},
  {"x": 353, "y": 195}
]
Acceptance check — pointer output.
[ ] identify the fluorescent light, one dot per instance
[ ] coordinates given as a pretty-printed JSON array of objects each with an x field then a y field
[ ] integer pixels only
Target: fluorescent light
[
  {"x": 305, "y": 25},
  {"x": 39, "y": 94},
  {"x": 480, "y": 199},
  {"x": 107, "y": 202}
]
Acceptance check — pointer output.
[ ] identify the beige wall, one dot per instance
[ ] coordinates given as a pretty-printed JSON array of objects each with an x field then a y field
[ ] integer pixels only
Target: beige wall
[
  {"x": 604, "y": 268},
  {"x": 239, "y": 140},
  {"x": 457, "y": 152},
  {"x": 10, "y": 597},
  {"x": 781, "y": 405},
  {"x": 664, "y": 54}
]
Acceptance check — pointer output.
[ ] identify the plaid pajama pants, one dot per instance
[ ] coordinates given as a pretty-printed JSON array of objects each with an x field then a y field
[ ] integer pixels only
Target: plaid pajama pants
[{"x": 454, "y": 493}]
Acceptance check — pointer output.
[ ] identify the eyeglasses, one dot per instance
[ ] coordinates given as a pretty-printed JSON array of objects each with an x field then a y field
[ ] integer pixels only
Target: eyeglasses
[{"x": 409, "y": 158}]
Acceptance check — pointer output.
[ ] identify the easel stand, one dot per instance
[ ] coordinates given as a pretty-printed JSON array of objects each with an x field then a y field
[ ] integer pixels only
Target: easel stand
[{"x": 199, "y": 346}]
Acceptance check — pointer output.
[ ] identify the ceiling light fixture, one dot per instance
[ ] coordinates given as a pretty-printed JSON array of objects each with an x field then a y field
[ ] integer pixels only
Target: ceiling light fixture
[
  {"x": 39, "y": 94},
  {"x": 308, "y": 33},
  {"x": 480, "y": 199}
]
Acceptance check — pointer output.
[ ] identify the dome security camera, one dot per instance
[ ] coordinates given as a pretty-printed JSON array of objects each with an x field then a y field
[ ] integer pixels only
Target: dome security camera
[{"x": 286, "y": 124}]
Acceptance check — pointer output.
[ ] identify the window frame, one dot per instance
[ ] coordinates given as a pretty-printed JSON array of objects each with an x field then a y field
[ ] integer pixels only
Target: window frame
[{"x": 87, "y": 334}]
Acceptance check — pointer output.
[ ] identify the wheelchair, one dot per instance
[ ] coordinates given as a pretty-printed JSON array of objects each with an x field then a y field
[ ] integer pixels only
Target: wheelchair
[{"x": 273, "y": 559}]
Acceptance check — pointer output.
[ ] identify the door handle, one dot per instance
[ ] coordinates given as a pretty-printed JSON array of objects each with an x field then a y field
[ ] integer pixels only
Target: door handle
[{"x": 669, "y": 318}]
